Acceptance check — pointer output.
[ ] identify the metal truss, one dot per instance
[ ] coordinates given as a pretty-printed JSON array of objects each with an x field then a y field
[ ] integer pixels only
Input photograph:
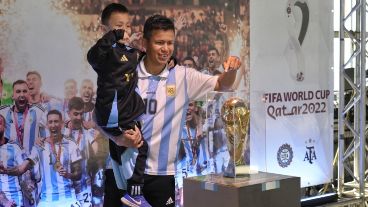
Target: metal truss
[{"x": 352, "y": 110}]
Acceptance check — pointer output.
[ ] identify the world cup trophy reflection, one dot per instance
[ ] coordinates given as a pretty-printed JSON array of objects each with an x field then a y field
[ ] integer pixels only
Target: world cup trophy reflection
[{"x": 235, "y": 115}]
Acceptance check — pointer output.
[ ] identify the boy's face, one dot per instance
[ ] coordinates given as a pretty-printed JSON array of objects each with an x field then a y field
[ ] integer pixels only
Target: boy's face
[{"x": 120, "y": 20}]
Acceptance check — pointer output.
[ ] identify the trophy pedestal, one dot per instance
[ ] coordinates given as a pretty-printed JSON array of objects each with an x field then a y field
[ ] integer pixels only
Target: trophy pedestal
[{"x": 256, "y": 190}]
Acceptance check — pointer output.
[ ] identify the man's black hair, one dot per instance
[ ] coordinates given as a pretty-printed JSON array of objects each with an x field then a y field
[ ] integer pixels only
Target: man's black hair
[{"x": 157, "y": 22}]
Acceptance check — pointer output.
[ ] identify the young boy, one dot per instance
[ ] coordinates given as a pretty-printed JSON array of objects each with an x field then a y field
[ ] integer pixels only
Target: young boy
[{"x": 118, "y": 104}]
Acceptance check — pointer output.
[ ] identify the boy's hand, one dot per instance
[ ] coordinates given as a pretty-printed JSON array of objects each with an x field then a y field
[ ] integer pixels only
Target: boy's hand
[
  {"x": 130, "y": 138},
  {"x": 135, "y": 37}
]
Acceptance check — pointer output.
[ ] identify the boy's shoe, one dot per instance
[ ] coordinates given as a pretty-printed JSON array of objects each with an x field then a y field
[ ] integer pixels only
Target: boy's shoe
[{"x": 134, "y": 201}]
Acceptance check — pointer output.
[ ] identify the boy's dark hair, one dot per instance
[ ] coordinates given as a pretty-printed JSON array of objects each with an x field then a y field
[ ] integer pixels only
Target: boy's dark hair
[
  {"x": 111, "y": 8},
  {"x": 56, "y": 112},
  {"x": 213, "y": 48},
  {"x": 75, "y": 103},
  {"x": 157, "y": 22},
  {"x": 19, "y": 82}
]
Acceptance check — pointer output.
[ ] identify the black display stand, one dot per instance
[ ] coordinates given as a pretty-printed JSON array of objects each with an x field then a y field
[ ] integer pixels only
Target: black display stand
[{"x": 256, "y": 190}]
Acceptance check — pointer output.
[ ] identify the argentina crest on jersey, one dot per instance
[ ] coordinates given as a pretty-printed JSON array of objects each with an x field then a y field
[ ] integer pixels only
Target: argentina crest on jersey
[{"x": 170, "y": 90}]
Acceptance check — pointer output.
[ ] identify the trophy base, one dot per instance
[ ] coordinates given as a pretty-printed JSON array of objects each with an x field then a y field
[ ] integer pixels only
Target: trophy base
[
  {"x": 232, "y": 171},
  {"x": 259, "y": 190}
]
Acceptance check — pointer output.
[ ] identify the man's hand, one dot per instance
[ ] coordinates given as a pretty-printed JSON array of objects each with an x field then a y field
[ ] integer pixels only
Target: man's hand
[
  {"x": 130, "y": 138},
  {"x": 40, "y": 141},
  {"x": 232, "y": 63},
  {"x": 62, "y": 172},
  {"x": 227, "y": 78},
  {"x": 89, "y": 124}
]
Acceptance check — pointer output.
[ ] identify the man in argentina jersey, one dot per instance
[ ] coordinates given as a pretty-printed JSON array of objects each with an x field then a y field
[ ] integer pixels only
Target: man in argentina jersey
[
  {"x": 11, "y": 155},
  {"x": 59, "y": 160},
  {"x": 166, "y": 94},
  {"x": 24, "y": 122},
  {"x": 195, "y": 145},
  {"x": 84, "y": 139}
]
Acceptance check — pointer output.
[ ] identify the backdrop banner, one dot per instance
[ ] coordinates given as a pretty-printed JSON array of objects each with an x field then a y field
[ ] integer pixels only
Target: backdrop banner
[{"x": 292, "y": 88}]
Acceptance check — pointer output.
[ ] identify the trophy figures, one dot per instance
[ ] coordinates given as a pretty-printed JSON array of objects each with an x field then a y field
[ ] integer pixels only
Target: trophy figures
[{"x": 235, "y": 115}]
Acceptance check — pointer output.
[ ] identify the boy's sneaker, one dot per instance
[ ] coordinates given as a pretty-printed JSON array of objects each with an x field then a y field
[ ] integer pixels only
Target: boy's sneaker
[{"x": 134, "y": 201}]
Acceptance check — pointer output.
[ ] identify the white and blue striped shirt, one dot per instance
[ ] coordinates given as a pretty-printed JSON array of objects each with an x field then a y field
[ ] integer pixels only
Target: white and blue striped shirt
[
  {"x": 167, "y": 96},
  {"x": 11, "y": 156},
  {"x": 34, "y": 125},
  {"x": 55, "y": 187},
  {"x": 86, "y": 139}
]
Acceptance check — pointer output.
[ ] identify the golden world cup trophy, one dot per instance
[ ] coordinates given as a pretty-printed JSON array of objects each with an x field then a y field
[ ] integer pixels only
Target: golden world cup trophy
[{"x": 235, "y": 115}]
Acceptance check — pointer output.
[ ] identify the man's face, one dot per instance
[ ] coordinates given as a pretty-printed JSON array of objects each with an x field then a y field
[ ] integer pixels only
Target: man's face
[
  {"x": 34, "y": 84},
  {"x": 160, "y": 46},
  {"x": 190, "y": 112},
  {"x": 188, "y": 64},
  {"x": 54, "y": 124},
  {"x": 86, "y": 91},
  {"x": 70, "y": 90},
  {"x": 20, "y": 96},
  {"x": 76, "y": 117},
  {"x": 120, "y": 20},
  {"x": 212, "y": 58}
]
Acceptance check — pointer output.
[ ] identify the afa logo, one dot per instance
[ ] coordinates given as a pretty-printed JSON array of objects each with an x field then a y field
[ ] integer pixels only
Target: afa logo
[
  {"x": 170, "y": 90},
  {"x": 310, "y": 154},
  {"x": 285, "y": 155}
]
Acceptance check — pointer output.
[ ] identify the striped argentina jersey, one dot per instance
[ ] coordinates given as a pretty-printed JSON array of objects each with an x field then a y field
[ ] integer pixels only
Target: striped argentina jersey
[
  {"x": 83, "y": 138},
  {"x": 166, "y": 97},
  {"x": 11, "y": 155},
  {"x": 34, "y": 125},
  {"x": 55, "y": 187}
]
